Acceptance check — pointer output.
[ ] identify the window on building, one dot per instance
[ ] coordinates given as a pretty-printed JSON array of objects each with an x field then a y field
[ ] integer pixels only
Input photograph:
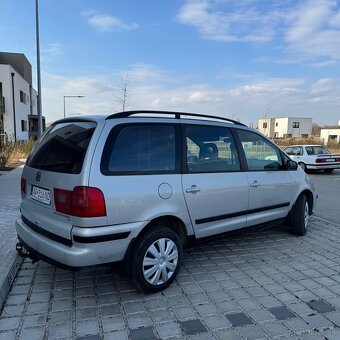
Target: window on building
[
  {"x": 24, "y": 125},
  {"x": 296, "y": 124},
  {"x": 265, "y": 125},
  {"x": 23, "y": 98},
  {"x": 276, "y": 124}
]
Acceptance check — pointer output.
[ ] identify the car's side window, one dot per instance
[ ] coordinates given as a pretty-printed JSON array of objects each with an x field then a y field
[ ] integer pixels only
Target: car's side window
[
  {"x": 211, "y": 149},
  {"x": 140, "y": 149},
  {"x": 260, "y": 154},
  {"x": 289, "y": 151}
]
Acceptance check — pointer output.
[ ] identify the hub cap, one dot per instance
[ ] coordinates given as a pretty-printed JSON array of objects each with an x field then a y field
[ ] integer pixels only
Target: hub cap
[{"x": 160, "y": 261}]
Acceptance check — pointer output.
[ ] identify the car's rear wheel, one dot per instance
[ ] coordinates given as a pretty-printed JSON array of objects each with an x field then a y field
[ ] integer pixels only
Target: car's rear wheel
[
  {"x": 303, "y": 166},
  {"x": 328, "y": 171},
  {"x": 300, "y": 216},
  {"x": 156, "y": 260}
]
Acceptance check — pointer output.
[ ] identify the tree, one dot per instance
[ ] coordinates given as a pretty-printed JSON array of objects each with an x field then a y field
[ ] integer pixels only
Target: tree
[{"x": 122, "y": 93}]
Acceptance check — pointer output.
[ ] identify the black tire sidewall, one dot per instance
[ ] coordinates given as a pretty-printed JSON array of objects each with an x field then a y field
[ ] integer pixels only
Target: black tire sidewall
[
  {"x": 298, "y": 216},
  {"x": 142, "y": 245}
]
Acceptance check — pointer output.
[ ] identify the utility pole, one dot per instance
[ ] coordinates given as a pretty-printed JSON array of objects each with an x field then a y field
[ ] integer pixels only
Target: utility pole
[{"x": 40, "y": 123}]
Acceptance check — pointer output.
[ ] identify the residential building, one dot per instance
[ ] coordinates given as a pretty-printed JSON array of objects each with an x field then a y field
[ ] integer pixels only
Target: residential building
[
  {"x": 18, "y": 104},
  {"x": 288, "y": 127},
  {"x": 330, "y": 135}
]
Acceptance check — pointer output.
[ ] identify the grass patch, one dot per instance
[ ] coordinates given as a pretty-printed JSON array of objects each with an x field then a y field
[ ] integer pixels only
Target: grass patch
[{"x": 11, "y": 152}]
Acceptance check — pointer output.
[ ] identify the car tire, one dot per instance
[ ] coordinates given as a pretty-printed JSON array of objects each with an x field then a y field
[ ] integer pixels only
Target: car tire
[
  {"x": 303, "y": 166},
  {"x": 328, "y": 171},
  {"x": 156, "y": 259},
  {"x": 299, "y": 216}
]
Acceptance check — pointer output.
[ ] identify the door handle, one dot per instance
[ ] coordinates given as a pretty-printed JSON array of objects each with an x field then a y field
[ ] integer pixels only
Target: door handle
[
  {"x": 255, "y": 184},
  {"x": 193, "y": 190}
]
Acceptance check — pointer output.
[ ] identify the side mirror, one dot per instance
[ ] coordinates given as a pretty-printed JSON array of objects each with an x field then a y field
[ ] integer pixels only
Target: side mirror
[{"x": 291, "y": 165}]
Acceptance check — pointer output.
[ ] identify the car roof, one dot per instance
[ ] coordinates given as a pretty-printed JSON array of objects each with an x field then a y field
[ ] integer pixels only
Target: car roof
[{"x": 291, "y": 146}]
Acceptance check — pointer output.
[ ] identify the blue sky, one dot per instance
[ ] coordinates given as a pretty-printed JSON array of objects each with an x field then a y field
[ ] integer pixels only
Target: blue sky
[{"x": 240, "y": 59}]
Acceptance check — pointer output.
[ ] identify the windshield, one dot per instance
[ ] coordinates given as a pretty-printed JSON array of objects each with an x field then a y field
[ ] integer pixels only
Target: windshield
[
  {"x": 63, "y": 148},
  {"x": 316, "y": 150}
]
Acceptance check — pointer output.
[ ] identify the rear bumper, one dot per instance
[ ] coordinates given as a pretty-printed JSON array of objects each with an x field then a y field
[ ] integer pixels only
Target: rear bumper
[
  {"x": 92, "y": 246},
  {"x": 323, "y": 166}
]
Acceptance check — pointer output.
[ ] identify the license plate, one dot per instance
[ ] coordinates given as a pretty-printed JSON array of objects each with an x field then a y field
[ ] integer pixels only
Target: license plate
[
  {"x": 330, "y": 160},
  {"x": 41, "y": 195}
]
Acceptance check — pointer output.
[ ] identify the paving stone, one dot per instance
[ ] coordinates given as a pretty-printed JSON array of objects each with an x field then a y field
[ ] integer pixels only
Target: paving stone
[
  {"x": 88, "y": 327},
  {"x": 36, "y": 333},
  {"x": 252, "y": 332},
  {"x": 8, "y": 335},
  {"x": 282, "y": 313},
  {"x": 161, "y": 316},
  {"x": 261, "y": 315},
  {"x": 334, "y": 317},
  {"x": 239, "y": 319},
  {"x": 86, "y": 313},
  {"x": 228, "y": 334},
  {"x": 9, "y": 323},
  {"x": 217, "y": 322},
  {"x": 191, "y": 327},
  {"x": 169, "y": 330},
  {"x": 35, "y": 320},
  {"x": 318, "y": 321},
  {"x": 108, "y": 310},
  {"x": 321, "y": 306},
  {"x": 113, "y": 323},
  {"x": 138, "y": 320},
  {"x": 275, "y": 329},
  {"x": 62, "y": 316},
  {"x": 144, "y": 333},
  {"x": 185, "y": 313},
  {"x": 297, "y": 325},
  {"x": 61, "y": 330},
  {"x": 120, "y": 335},
  {"x": 16, "y": 299}
]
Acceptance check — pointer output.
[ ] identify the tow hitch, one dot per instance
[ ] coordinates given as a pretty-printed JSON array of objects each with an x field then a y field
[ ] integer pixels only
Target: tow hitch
[{"x": 24, "y": 253}]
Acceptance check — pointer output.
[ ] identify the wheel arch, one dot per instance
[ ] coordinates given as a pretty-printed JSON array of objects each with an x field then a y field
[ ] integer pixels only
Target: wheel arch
[{"x": 170, "y": 221}]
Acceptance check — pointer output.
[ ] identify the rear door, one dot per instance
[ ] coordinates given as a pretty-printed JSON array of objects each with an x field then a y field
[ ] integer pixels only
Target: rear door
[
  {"x": 215, "y": 188},
  {"x": 271, "y": 189},
  {"x": 57, "y": 161}
]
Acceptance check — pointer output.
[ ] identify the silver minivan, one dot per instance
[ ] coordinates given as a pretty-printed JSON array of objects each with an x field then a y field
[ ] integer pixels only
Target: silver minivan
[{"x": 135, "y": 186}]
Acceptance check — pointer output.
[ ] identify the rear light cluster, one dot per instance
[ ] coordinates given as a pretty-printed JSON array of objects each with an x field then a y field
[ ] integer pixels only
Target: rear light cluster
[
  {"x": 324, "y": 160},
  {"x": 81, "y": 202},
  {"x": 23, "y": 187}
]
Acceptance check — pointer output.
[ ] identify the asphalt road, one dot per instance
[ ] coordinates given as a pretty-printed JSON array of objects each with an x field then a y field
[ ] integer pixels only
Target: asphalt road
[{"x": 328, "y": 187}]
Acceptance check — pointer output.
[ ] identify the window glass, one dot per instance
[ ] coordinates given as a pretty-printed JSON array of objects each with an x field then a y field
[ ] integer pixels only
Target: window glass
[
  {"x": 63, "y": 148},
  {"x": 141, "y": 149},
  {"x": 260, "y": 154},
  {"x": 211, "y": 149}
]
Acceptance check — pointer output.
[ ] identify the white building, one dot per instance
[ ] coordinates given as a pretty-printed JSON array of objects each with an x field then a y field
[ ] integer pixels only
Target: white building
[
  {"x": 289, "y": 127},
  {"x": 18, "y": 104},
  {"x": 330, "y": 135}
]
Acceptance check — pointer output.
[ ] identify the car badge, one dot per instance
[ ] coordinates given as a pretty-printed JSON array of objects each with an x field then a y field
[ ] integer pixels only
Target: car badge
[{"x": 38, "y": 176}]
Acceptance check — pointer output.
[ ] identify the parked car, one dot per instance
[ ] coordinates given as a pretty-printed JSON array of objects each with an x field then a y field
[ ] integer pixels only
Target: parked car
[
  {"x": 136, "y": 186},
  {"x": 313, "y": 157}
]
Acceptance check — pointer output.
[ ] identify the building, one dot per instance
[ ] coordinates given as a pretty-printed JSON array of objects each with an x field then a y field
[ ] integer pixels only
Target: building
[
  {"x": 18, "y": 104},
  {"x": 330, "y": 135},
  {"x": 289, "y": 127}
]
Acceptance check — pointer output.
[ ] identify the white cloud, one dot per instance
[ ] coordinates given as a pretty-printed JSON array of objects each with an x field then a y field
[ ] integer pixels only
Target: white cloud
[
  {"x": 52, "y": 50},
  {"x": 103, "y": 22},
  {"x": 309, "y": 29},
  {"x": 247, "y": 101},
  {"x": 315, "y": 29},
  {"x": 230, "y": 21}
]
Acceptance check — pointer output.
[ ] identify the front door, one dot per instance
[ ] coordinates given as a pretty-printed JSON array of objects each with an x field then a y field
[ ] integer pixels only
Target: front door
[{"x": 271, "y": 189}]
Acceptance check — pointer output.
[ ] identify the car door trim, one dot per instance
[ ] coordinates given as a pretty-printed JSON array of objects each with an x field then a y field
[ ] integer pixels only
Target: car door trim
[{"x": 241, "y": 213}]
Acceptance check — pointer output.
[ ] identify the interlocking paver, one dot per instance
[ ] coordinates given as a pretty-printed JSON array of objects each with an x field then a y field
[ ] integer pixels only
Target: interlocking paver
[{"x": 247, "y": 274}]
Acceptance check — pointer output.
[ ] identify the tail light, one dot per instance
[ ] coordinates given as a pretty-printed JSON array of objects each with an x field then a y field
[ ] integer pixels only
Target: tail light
[
  {"x": 81, "y": 202},
  {"x": 320, "y": 160},
  {"x": 337, "y": 159},
  {"x": 23, "y": 187}
]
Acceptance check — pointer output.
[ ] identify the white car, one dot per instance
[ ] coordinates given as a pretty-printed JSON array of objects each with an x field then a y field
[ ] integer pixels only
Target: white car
[{"x": 313, "y": 157}]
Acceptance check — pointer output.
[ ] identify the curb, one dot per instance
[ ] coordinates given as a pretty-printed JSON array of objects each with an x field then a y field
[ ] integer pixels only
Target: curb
[{"x": 8, "y": 273}]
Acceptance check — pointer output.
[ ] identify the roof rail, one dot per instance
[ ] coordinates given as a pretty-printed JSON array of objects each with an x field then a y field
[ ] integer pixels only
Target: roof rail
[{"x": 177, "y": 115}]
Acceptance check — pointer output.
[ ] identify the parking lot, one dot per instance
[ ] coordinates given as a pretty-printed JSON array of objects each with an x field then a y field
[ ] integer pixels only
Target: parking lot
[{"x": 257, "y": 284}]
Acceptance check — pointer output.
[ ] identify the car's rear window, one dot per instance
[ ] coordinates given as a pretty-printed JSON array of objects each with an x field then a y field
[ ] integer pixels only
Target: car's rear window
[{"x": 63, "y": 148}]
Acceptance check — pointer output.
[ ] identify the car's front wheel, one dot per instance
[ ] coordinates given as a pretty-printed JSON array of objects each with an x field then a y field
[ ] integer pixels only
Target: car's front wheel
[
  {"x": 156, "y": 260},
  {"x": 300, "y": 216},
  {"x": 303, "y": 166}
]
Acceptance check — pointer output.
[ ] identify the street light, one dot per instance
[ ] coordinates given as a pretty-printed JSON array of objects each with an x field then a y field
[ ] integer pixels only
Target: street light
[{"x": 70, "y": 97}]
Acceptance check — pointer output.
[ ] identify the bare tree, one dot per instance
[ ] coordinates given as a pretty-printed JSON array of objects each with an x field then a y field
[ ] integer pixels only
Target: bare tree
[{"x": 122, "y": 93}]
